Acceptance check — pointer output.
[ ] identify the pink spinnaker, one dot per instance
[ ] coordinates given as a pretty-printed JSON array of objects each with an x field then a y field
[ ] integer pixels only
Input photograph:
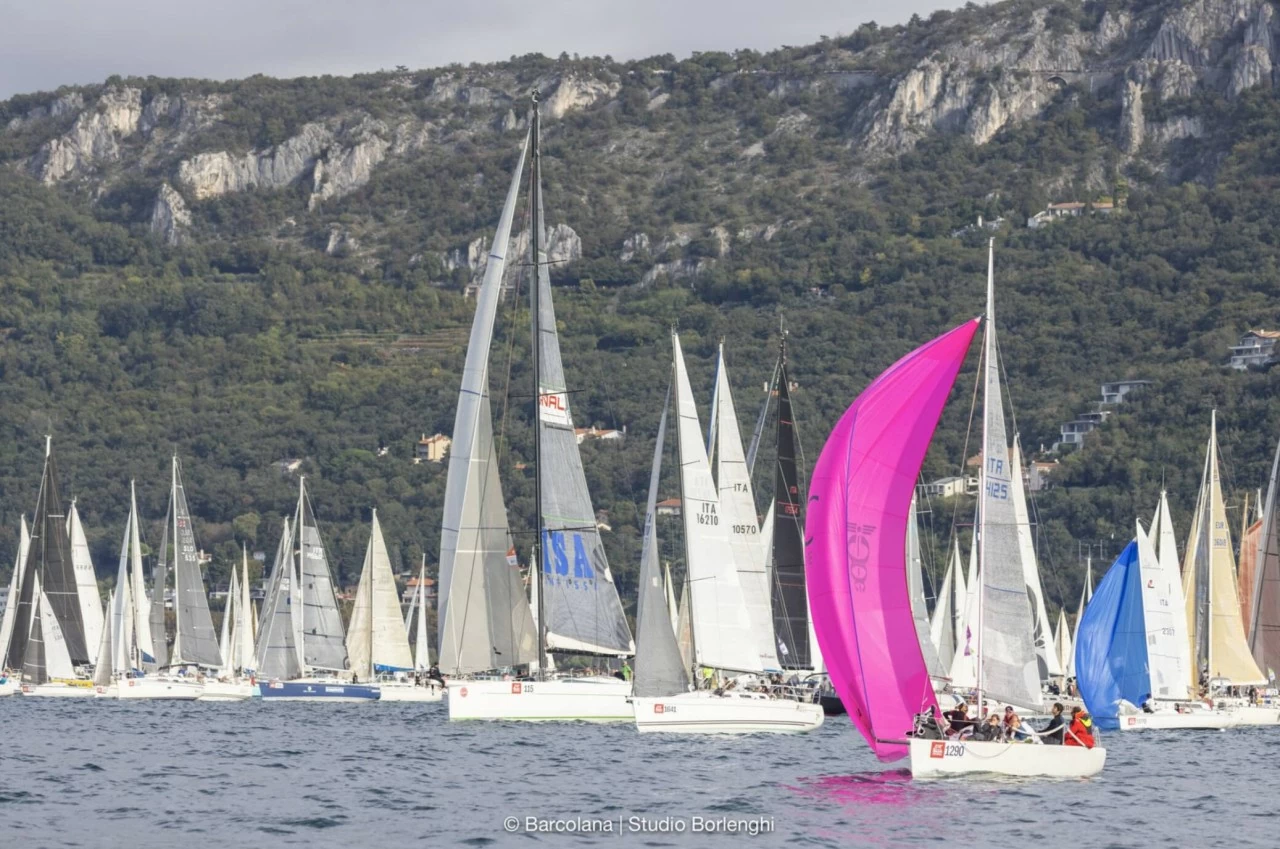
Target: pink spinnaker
[{"x": 855, "y": 538}]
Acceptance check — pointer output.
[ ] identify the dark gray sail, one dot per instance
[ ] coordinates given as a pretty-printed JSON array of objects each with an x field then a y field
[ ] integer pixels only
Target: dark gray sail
[
  {"x": 323, "y": 642},
  {"x": 277, "y": 652},
  {"x": 159, "y": 582},
  {"x": 660, "y": 670},
  {"x": 49, "y": 557},
  {"x": 580, "y": 600},
  {"x": 790, "y": 599},
  {"x": 194, "y": 638}
]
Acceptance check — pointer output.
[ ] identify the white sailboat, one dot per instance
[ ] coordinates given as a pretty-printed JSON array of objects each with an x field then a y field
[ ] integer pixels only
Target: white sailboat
[
  {"x": 48, "y": 671},
  {"x": 302, "y": 653},
  {"x": 722, "y": 630},
  {"x": 86, "y": 579},
  {"x": 486, "y": 625},
  {"x": 8, "y": 682},
  {"x": 377, "y": 642},
  {"x": 1006, "y": 658}
]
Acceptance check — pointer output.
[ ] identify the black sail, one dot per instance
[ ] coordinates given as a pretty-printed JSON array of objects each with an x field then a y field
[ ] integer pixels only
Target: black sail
[
  {"x": 790, "y": 602},
  {"x": 49, "y": 557}
]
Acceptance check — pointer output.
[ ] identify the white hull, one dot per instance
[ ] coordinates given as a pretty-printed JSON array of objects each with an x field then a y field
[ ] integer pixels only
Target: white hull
[
  {"x": 562, "y": 700},
  {"x": 1255, "y": 714},
  {"x": 394, "y": 691},
  {"x": 227, "y": 691},
  {"x": 935, "y": 758},
  {"x": 59, "y": 690},
  {"x": 9, "y": 688},
  {"x": 131, "y": 689},
  {"x": 704, "y": 712},
  {"x": 1201, "y": 719}
]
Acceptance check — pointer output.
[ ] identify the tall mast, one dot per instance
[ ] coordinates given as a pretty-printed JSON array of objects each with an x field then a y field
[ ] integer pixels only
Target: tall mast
[
  {"x": 535, "y": 228},
  {"x": 177, "y": 592},
  {"x": 1209, "y": 502},
  {"x": 988, "y": 350}
]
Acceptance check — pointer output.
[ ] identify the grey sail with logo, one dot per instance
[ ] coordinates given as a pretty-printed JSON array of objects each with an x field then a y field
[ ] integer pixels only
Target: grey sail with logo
[
  {"x": 660, "y": 669},
  {"x": 324, "y": 644},
  {"x": 194, "y": 638},
  {"x": 484, "y": 617},
  {"x": 580, "y": 599}
]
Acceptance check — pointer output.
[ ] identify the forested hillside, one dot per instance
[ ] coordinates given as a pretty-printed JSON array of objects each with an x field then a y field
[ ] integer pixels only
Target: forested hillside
[{"x": 252, "y": 271}]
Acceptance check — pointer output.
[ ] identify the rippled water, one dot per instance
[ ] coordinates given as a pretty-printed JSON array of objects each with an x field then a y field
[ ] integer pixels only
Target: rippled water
[{"x": 194, "y": 775}]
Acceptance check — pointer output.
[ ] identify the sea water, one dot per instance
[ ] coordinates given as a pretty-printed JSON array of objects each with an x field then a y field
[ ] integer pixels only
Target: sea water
[{"x": 192, "y": 775}]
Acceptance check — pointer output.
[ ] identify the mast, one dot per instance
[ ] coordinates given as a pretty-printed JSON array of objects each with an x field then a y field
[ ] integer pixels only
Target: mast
[
  {"x": 535, "y": 231},
  {"x": 981, "y": 541}
]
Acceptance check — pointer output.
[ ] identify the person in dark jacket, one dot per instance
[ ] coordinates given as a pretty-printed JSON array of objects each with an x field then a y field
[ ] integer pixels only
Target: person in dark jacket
[
  {"x": 958, "y": 718},
  {"x": 1052, "y": 733}
]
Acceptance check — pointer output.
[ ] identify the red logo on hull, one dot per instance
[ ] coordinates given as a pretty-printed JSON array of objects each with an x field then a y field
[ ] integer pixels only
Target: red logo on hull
[
  {"x": 515, "y": 688},
  {"x": 937, "y": 750},
  {"x": 657, "y": 708}
]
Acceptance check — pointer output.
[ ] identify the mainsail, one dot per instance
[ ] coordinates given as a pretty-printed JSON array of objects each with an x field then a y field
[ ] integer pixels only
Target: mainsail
[
  {"x": 859, "y": 503},
  {"x": 15, "y": 591},
  {"x": 791, "y": 624},
  {"x": 323, "y": 644},
  {"x": 244, "y": 651},
  {"x": 1007, "y": 659},
  {"x": 49, "y": 556},
  {"x": 1264, "y": 624},
  {"x": 660, "y": 669},
  {"x": 140, "y": 616},
  {"x": 86, "y": 580},
  {"x": 376, "y": 640},
  {"x": 194, "y": 640},
  {"x": 484, "y": 619},
  {"x": 1217, "y": 630},
  {"x": 1161, "y": 614},
  {"x": 579, "y": 599},
  {"x": 738, "y": 503},
  {"x": 721, "y": 626},
  {"x": 1169, "y": 587}
]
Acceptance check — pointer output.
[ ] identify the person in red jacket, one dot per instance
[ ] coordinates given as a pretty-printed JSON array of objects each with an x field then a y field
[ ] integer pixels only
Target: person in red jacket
[{"x": 1081, "y": 731}]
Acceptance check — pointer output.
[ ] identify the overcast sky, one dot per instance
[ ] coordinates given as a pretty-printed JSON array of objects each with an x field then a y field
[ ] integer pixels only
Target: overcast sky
[{"x": 48, "y": 43}]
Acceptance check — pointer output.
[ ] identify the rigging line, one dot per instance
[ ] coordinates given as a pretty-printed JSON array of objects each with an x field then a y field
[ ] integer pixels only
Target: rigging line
[{"x": 964, "y": 456}]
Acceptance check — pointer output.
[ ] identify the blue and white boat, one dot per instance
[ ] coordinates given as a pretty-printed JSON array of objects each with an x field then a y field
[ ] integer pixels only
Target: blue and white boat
[{"x": 302, "y": 655}]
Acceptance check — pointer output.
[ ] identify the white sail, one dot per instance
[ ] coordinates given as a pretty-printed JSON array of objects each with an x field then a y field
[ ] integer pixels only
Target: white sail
[
  {"x": 1086, "y": 593},
  {"x": 738, "y": 513},
  {"x": 1161, "y": 613},
  {"x": 1007, "y": 662},
  {"x": 245, "y": 643},
  {"x": 1170, "y": 584},
  {"x": 915, "y": 588},
  {"x": 422, "y": 657},
  {"x": 141, "y": 615},
  {"x": 1062, "y": 641},
  {"x": 57, "y": 657},
  {"x": 277, "y": 653},
  {"x": 964, "y": 666},
  {"x": 673, "y": 607},
  {"x": 413, "y": 606},
  {"x": 940, "y": 624},
  {"x": 104, "y": 657},
  {"x": 484, "y": 619},
  {"x": 15, "y": 590},
  {"x": 549, "y": 659},
  {"x": 86, "y": 580},
  {"x": 376, "y": 640},
  {"x": 722, "y": 630},
  {"x": 120, "y": 622},
  {"x": 1043, "y": 638},
  {"x": 228, "y": 614}
]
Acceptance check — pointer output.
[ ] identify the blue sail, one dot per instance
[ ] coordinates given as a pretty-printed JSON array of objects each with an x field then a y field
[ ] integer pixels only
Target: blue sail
[{"x": 1111, "y": 647}]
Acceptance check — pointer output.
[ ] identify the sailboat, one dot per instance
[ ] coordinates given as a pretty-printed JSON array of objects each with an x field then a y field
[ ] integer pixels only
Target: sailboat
[
  {"x": 723, "y": 632},
  {"x": 9, "y": 683},
  {"x": 129, "y": 645},
  {"x": 377, "y": 641},
  {"x": 486, "y": 623},
  {"x": 1216, "y": 632},
  {"x": 235, "y": 681},
  {"x": 302, "y": 652},
  {"x": 1131, "y": 650},
  {"x": 1264, "y": 621},
  {"x": 48, "y": 638},
  {"x": 857, "y": 569},
  {"x": 86, "y": 579}
]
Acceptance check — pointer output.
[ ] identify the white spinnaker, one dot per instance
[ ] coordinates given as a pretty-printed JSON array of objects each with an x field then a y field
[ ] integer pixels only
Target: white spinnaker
[
  {"x": 738, "y": 513},
  {"x": 722, "y": 630}
]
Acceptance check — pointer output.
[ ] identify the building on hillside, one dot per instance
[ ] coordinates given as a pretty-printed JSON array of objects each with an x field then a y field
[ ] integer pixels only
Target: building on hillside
[
  {"x": 1073, "y": 432},
  {"x": 1113, "y": 393},
  {"x": 1255, "y": 348},
  {"x": 1038, "y": 475},
  {"x": 602, "y": 520},
  {"x": 411, "y": 587},
  {"x": 432, "y": 449},
  {"x": 950, "y": 487},
  {"x": 1069, "y": 209},
  {"x": 593, "y": 432},
  {"x": 670, "y": 507}
]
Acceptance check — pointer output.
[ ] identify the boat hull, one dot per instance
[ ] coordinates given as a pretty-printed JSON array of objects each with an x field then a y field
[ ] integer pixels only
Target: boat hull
[
  {"x": 9, "y": 688},
  {"x": 166, "y": 689},
  {"x": 1168, "y": 720},
  {"x": 60, "y": 690},
  {"x": 409, "y": 692},
  {"x": 832, "y": 705},
  {"x": 557, "y": 700},
  {"x": 733, "y": 713},
  {"x": 938, "y": 758},
  {"x": 1255, "y": 714},
  {"x": 228, "y": 691},
  {"x": 317, "y": 691}
]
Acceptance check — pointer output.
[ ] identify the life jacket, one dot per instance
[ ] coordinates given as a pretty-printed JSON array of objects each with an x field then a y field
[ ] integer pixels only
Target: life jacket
[{"x": 1079, "y": 734}]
